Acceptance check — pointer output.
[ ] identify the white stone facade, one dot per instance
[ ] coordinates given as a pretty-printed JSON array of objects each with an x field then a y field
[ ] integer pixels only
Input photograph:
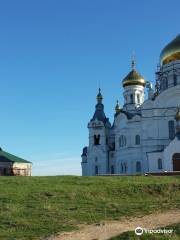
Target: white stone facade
[{"x": 143, "y": 136}]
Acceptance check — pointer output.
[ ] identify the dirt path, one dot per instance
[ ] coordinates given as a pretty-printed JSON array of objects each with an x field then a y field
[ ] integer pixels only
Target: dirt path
[{"x": 110, "y": 229}]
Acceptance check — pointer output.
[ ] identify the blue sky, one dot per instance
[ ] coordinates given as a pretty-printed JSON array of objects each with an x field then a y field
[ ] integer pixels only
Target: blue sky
[{"x": 53, "y": 54}]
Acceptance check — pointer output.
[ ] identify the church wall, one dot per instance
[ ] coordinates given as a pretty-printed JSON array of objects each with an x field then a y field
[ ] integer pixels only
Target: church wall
[
  {"x": 155, "y": 134},
  {"x": 168, "y": 98},
  {"x": 112, "y": 162},
  {"x": 129, "y": 156},
  {"x": 152, "y": 159},
  {"x": 167, "y": 77},
  {"x": 131, "y": 153},
  {"x": 97, "y": 131},
  {"x": 154, "y": 131},
  {"x": 99, "y": 158},
  {"x": 84, "y": 167}
]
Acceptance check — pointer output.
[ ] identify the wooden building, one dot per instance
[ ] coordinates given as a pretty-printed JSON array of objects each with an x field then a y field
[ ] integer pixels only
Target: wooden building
[{"x": 11, "y": 165}]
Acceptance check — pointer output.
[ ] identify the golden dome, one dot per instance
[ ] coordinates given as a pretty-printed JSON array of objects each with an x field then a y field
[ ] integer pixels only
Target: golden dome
[
  {"x": 117, "y": 107},
  {"x": 177, "y": 116},
  {"x": 133, "y": 78},
  {"x": 99, "y": 96},
  {"x": 171, "y": 52}
]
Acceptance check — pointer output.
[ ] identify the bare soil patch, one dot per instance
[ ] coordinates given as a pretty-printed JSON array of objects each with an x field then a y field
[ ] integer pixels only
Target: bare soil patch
[{"x": 108, "y": 229}]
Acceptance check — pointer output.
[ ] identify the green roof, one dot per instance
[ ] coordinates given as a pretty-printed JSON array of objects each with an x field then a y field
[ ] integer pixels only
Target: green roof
[{"x": 7, "y": 157}]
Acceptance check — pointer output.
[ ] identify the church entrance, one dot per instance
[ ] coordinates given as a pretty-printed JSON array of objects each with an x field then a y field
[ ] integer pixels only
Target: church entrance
[{"x": 176, "y": 162}]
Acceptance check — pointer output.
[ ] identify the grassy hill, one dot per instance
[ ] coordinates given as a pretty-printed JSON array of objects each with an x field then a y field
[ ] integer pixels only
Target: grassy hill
[{"x": 34, "y": 207}]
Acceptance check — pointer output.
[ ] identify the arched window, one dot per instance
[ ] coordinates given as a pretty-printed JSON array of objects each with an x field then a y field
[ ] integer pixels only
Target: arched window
[
  {"x": 137, "y": 140},
  {"x": 113, "y": 146},
  {"x": 175, "y": 79},
  {"x": 96, "y": 170},
  {"x": 125, "y": 167},
  {"x": 171, "y": 129},
  {"x": 112, "y": 169},
  {"x": 126, "y": 98},
  {"x": 165, "y": 83},
  {"x": 96, "y": 139},
  {"x": 122, "y": 168},
  {"x": 159, "y": 163},
  {"x": 131, "y": 98},
  {"x": 122, "y": 141},
  {"x": 138, "y": 166}
]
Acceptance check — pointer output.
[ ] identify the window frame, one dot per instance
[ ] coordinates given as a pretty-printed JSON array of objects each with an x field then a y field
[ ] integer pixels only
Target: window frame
[
  {"x": 112, "y": 169},
  {"x": 137, "y": 139},
  {"x": 122, "y": 141},
  {"x": 171, "y": 129},
  {"x": 131, "y": 98},
  {"x": 160, "y": 165},
  {"x": 96, "y": 170},
  {"x": 138, "y": 166},
  {"x": 97, "y": 139}
]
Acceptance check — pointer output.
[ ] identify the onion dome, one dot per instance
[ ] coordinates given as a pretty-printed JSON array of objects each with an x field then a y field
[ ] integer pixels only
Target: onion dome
[
  {"x": 99, "y": 96},
  {"x": 133, "y": 78},
  {"x": 171, "y": 52},
  {"x": 177, "y": 116},
  {"x": 117, "y": 107}
]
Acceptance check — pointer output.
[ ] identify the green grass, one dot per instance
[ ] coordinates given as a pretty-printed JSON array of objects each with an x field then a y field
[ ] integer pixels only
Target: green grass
[
  {"x": 132, "y": 236},
  {"x": 35, "y": 207}
]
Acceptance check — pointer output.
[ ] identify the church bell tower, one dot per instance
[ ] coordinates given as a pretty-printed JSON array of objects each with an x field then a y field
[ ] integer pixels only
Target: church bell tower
[{"x": 133, "y": 85}]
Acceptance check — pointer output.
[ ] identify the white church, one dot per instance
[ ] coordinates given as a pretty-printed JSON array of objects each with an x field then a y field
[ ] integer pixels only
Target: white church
[{"x": 145, "y": 134}]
